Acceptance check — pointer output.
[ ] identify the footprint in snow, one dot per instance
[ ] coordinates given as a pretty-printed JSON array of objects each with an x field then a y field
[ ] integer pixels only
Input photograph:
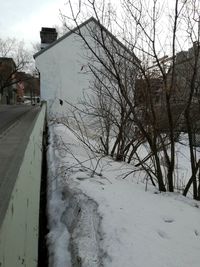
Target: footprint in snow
[
  {"x": 196, "y": 232},
  {"x": 168, "y": 220},
  {"x": 162, "y": 234},
  {"x": 82, "y": 178}
]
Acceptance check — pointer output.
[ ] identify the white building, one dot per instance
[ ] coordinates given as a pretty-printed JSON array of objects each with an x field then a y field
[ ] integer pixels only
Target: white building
[{"x": 63, "y": 64}]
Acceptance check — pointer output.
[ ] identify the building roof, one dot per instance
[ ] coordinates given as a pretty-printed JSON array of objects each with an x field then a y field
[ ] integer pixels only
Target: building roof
[
  {"x": 92, "y": 19},
  {"x": 7, "y": 61}
]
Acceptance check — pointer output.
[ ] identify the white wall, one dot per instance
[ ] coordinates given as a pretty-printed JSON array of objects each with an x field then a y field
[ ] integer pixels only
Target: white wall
[
  {"x": 62, "y": 72},
  {"x": 63, "y": 67}
]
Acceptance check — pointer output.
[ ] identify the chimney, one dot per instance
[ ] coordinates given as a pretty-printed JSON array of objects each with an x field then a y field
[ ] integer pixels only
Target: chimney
[{"x": 48, "y": 36}]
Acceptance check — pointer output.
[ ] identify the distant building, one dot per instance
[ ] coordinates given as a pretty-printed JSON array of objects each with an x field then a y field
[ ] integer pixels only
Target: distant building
[
  {"x": 186, "y": 77},
  {"x": 28, "y": 87},
  {"x": 7, "y": 81},
  {"x": 187, "y": 74}
]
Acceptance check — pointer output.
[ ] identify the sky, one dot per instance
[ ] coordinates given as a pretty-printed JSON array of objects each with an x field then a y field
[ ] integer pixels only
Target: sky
[{"x": 23, "y": 19}]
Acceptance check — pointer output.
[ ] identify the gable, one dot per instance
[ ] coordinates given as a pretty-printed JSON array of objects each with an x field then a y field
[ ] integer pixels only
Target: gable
[{"x": 76, "y": 29}]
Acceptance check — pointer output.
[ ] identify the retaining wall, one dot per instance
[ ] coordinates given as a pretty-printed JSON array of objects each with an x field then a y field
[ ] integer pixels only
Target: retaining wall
[{"x": 19, "y": 231}]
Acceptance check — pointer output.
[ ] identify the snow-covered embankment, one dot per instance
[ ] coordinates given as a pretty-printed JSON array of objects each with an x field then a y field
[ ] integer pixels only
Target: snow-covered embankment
[
  {"x": 74, "y": 222},
  {"x": 99, "y": 219}
]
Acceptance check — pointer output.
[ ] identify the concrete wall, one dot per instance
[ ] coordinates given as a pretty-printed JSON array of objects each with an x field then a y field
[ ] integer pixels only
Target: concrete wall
[{"x": 19, "y": 231}]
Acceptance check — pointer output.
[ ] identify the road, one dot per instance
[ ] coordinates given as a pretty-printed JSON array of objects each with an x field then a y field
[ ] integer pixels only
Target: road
[
  {"x": 10, "y": 113},
  {"x": 16, "y": 123}
]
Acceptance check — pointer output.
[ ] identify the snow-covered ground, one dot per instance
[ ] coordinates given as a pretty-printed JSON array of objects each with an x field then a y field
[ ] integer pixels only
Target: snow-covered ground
[{"x": 97, "y": 218}]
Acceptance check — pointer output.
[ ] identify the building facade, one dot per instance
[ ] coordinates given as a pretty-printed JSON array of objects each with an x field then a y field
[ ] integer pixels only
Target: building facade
[{"x": 65, "y": 65}]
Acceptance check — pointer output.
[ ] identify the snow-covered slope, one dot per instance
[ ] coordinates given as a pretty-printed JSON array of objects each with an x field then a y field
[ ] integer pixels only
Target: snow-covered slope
[{"x": 99, "y": 219}]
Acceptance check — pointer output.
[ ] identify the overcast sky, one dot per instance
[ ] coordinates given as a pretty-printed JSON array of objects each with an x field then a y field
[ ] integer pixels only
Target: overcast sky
[{"x": 23, "y": 19}]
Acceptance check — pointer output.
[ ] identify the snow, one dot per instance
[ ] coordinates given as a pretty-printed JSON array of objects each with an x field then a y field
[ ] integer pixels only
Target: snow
[
  {"x": 58, "y": 237},
  {"x": 97, "y": 218}
]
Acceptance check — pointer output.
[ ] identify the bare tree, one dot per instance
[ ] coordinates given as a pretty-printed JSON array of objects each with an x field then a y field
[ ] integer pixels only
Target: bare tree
[
  {"x": 120, "y": 79},
  {"x": 15, "y": 49},
  {"x": 14, "y": 57},
  {"x": 11, "y": 48},
  {"x": 192, "y": 83},
  {"x": 110, "y": 63}
]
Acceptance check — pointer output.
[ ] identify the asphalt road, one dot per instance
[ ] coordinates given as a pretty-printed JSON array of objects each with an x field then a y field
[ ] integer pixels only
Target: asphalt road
[
  {"x": 16, "y": 124},
  {"x": 11, "y": 113}
]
